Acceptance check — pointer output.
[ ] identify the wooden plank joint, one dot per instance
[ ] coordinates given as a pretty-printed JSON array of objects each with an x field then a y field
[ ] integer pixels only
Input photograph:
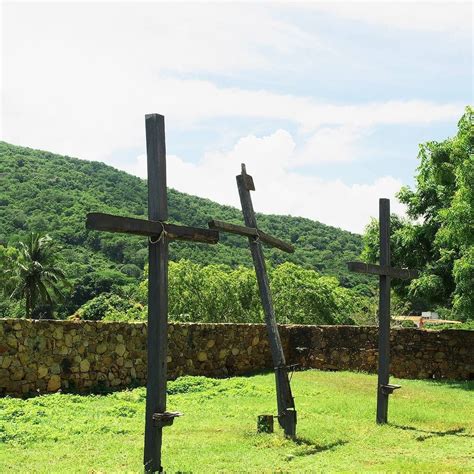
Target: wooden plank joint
[
  {"x": 371, "y": 269},
  {"x": 149, "y": 228},
  {"x": 257, "y": 234}
]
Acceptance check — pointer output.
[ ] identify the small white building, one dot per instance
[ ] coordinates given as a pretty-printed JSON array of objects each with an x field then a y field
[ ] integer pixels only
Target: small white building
[{"x": 429, "y": 315}]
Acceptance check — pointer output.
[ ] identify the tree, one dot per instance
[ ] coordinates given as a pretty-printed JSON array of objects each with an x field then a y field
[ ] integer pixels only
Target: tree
[
  {"x": 93, "y": 284},
  {"x": 303, "y": 296},
  {"x": 220, "y": 293},
  {"x": 34, "y": 275},
  {"x": 438, "y": 236}
]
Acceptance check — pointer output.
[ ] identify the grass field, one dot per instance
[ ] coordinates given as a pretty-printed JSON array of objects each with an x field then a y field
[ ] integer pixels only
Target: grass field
[{"x": 431, "y": 428}]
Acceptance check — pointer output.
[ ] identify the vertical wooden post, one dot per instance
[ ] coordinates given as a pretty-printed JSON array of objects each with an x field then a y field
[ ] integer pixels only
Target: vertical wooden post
[
  {"x": 384, "y": 313},
  {"x": 157, "y": 293},
  {"x": 285, "y": 402}
]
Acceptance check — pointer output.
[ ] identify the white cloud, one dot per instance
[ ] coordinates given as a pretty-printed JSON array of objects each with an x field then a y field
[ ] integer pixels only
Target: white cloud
[
  {"x": 435, "y": 16},
  {"x": 279, "y": 189},
  {"x": 331, "y": 145},
  {"x": 78, "y": 80},
  {"x": 225, "y": 38},
  {"x": 117, "y": 119}
]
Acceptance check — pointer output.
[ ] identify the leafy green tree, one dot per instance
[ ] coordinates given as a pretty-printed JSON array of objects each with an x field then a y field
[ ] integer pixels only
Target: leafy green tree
[
  {"x": 212, "y": 293},
  {"x": 303, "y": 296},
  {"x": 34, "y": 275},
  {"x": 93, "y": 284},
  {"x": 111, "y": 307},
  {"x": 220, "y": 293},
  {"x": 438, "y": 238}
]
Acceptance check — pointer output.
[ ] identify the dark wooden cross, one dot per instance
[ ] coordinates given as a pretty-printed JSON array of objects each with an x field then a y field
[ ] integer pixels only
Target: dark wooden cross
[
  {"x": 285, "y": 402},
  {"x": 159, "y": 234},
  {"x": 385, "y": 273}
]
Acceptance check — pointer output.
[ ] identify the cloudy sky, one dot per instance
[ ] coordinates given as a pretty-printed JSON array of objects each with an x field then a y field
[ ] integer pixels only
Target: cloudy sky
[{"x": 325, "y": 102}]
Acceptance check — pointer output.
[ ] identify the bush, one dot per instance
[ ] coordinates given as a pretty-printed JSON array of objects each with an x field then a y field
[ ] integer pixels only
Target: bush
[
  {"x": 408, "y": 324},
  {"x": 111, "y": 307}
]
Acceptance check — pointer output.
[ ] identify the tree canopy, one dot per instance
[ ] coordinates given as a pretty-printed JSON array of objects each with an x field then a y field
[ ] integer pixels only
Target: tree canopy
[
  {"x": 438, "y": 236},
  {"x": 222, "y": 294}
]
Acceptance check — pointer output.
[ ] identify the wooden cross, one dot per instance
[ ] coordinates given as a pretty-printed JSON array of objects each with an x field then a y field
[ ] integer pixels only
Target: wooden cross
[
  {"x": 285, "y": 402},
  {"x": 385, "y": 273},
  {"x": 159, "y": 234}
]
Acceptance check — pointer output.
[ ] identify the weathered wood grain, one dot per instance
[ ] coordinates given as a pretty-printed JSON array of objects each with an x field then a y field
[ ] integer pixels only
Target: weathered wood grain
[
  {"x": 285, "y": 402},
  {"x": 384, "y": 312},
  {"x": 157, "y": 334},
  {"x": 385, "y": 273},
  {"x": 129, "y": 225},
  {"x": 371, "y": 269},
  {"x": 159, "y": 233},
  {"x": 251, "y": 232}
]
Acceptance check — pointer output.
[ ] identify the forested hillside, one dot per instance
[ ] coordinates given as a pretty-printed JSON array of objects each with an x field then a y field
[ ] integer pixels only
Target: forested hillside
[{"x": 44, "y": 192}]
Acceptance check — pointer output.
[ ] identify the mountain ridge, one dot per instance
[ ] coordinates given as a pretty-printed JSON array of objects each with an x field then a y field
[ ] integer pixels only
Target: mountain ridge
[{"x": 47, "y": 192}]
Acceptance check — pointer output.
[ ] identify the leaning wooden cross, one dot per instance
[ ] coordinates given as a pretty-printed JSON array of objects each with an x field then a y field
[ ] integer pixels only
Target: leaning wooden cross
[
  {"x": 159, "y": 233},
  {"x": 385, "y": 273},
  {"x": 285, "y": 402}
]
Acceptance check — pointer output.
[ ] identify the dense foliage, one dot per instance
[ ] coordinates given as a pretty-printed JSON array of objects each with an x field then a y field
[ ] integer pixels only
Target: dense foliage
[
  {"x": 43, "y": 192},
  {"x": 438, "y": 237},
  {"x": 220, "y": 293},
  {"x": 52, "y": 194}
]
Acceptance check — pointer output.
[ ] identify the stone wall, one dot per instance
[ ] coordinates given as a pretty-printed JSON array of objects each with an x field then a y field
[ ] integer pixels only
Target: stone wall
[
  {"x": 414, "y": 353},
  {"x": 45, "y": 356}
]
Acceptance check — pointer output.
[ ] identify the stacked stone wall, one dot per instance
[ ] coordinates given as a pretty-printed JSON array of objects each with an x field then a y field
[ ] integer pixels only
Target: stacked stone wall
[
  {"x": 414, "y": 353},
  {"x": 47, "y": 356}
]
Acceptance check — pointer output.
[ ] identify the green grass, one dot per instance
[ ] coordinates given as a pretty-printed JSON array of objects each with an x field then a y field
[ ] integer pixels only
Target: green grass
[{"x": 431, "y": 428}]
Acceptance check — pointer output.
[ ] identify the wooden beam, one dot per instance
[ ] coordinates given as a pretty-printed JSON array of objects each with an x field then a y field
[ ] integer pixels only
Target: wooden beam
[
  {"x": 285, "y": 403},
  {"x": 274, "y": 242},
  {"x": 368, "y": 268},
  {"x": 251, "y": 232},
  {"x": 129, "y": 225},
  {"x": 232, "y": 228},
  {"x": 383, "y": 360},
  {"x": 156, "y": 167},
  {"x": 247, "y": 179},
  {"x": 157, "y": 328}
]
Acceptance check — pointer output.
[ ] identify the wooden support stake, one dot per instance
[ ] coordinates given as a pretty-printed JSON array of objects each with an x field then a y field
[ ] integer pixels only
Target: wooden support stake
[{"x": 265, "y": 424}]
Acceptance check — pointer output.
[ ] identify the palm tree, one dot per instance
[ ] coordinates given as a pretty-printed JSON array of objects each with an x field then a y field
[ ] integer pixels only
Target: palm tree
[{"x": 35, "y": 276}]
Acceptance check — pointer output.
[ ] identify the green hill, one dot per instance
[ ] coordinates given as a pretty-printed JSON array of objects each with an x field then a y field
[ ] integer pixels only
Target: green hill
[{"x": 41, "y": 191}]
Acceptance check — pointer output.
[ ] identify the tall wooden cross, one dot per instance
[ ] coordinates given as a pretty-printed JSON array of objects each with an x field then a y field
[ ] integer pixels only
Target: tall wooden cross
[
  {"x": 285, "y": 402},
  {"x": 385, "y": 273},
  {"x": 159, "y": 234}
]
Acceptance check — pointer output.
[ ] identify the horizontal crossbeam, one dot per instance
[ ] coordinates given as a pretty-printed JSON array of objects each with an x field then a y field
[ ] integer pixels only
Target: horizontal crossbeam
[
  {"x": 402, "y": 273},
  {"x": 129, "y": 225},
  {"x": 251, "y": 232}
]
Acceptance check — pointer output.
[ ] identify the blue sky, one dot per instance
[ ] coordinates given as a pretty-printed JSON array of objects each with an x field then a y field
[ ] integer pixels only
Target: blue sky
[{"x": 325, "y": 102}]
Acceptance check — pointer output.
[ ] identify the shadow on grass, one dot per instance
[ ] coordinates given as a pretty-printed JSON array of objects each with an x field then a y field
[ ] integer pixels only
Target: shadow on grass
[
  {"x": 458, "y": 384},
  {"x": 310, "y": 448},
  {"x": 458, "y": 432}
]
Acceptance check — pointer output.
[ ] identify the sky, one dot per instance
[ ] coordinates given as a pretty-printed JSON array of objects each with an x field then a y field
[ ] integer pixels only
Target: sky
[{"x": 326, "y": 103}]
